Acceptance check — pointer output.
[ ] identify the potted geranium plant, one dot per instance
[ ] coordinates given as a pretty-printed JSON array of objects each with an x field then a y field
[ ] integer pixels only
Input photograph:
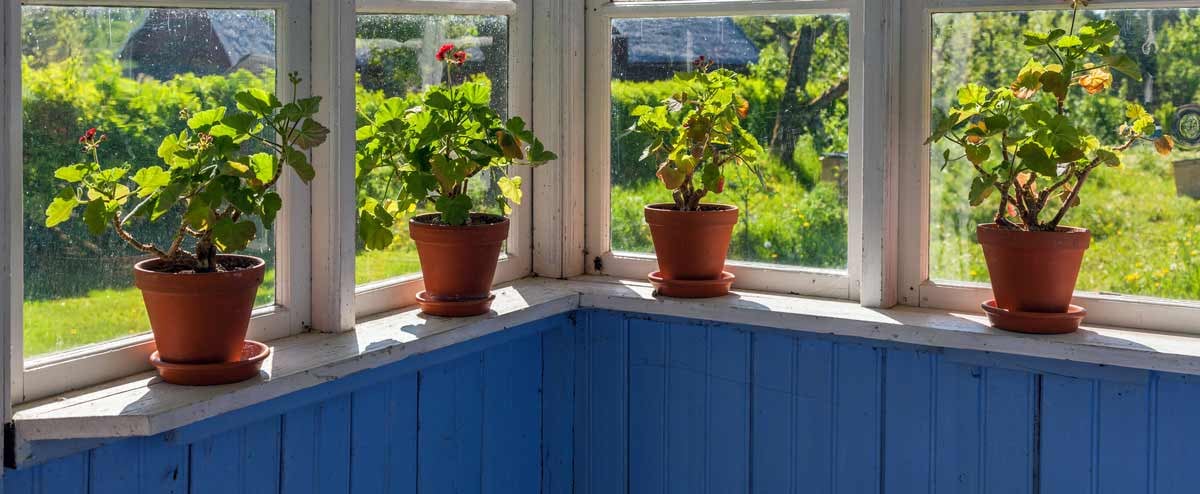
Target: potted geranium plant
[
  {"x": 692, "y": 136},
  {"x": 429, "y": 153},
  {"x": 1026, "y": 148},
  {"x": 199, "y": 300}
]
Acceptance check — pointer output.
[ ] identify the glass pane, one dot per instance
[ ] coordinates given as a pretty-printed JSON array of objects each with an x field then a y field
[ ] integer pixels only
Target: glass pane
[
  {"x": 1144, "y": 216},
  {"x": 127, "y": 72},
  {"x": 794, "y": 73},
  {"x": 396, "y": 59}
]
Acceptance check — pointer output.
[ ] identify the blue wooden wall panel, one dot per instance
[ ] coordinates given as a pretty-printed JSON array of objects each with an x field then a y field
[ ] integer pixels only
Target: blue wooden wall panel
[{"x": 602, "y": 402}]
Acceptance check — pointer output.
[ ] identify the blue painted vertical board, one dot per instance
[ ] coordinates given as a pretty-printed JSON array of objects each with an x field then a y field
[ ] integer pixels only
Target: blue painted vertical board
[
  {"x": 908, "y": 424},
  {"x": 813, "y": 441},
  {"x": 957, "y": 446},
  {"x": 21, "y": 481},
  {"x": 216, "y": 463},
  {"x": 558, "y": 408},
  {"x": 114, "y": 467},
  {"x": 451, "y": 422},
  {"x": 260, "y": 456},
  {"x": 383, "y": 442},
  {"x": 68, "y": 475},
  {"x": 1122, "y": 443},
  {"x": 607, "y": 424},
  {"x": 1176, "y": 433},
  {"x": 774, "y": 414},
  {"x": 582, "y": 447},
  {"x": 857, "y": 418},
  {"x": 316, "y": 444},
  {"x": 371, "y": 436},
  {"x": 1008, "y": 409},
  {"x": 687, "y": 397},
  {"x": 1067, "y": 439},
  {"x": 512, "y": 416},
  {"x": 647, "y": 407},
  {"x": 728, "y": 410}
]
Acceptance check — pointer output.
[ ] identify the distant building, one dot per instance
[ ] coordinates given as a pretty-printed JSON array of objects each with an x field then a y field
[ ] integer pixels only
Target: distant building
[
  {"x": 202, "y": 42},
  {"x": 654, "y": 49}
]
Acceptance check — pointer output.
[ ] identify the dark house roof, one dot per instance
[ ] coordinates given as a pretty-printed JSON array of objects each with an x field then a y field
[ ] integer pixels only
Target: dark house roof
[
  {"x": 671, "y": 44},
  {"x": 202, "y": 42}
]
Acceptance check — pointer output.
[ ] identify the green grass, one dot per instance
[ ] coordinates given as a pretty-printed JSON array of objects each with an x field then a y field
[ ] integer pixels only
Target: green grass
[{"x": 55, "y": 325}]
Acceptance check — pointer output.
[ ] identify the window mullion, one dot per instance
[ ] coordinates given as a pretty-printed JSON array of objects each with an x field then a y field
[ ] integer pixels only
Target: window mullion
[
  {"x": 10, "y": 208},
  {"x": 333, "y": 190}
]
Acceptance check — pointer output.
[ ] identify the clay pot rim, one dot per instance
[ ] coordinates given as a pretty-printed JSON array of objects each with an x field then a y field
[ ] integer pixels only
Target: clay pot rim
[
  {"x": 669, "y": 208},
  {"x": 259, "y": 263},
  {"x": 1062, "y": 230},
  {"x": 413, "y": 221}
]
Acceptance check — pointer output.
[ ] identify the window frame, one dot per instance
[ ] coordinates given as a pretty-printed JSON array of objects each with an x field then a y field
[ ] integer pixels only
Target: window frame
[
  {"x": 917, "y": 289},
  {"x": 517, "y": 261},
  {"x": 866, "y": 277},
  {"x": 47, "y": 375}
]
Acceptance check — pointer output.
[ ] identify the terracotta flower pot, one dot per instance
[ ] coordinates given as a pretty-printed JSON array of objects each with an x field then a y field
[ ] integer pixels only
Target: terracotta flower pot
[
  {"x": 1033, "y": 271},
  {"x": 199, "y": 318},
  {"x": 691, "y": 246},
  {"x": 458, "y": 263}
]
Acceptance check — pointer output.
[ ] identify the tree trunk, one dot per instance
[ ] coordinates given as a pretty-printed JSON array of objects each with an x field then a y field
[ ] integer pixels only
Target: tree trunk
[
  {"x": 206, "y": 255},
  {"x": 788, "y": 117}
]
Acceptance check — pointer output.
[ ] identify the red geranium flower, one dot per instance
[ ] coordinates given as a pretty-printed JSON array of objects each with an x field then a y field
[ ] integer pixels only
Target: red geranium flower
[
  {"x": 460, "y": 57},
  {"x": 441, "y": 53}
]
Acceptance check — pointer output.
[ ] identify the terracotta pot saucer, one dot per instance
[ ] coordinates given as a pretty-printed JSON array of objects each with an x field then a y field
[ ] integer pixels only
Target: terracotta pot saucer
[
  {"x": 1034, "y": 322},
  {"x": 253, "y": 355},
  {"x": 454, "y": 308},
  {"x": 692, "y": 288}
]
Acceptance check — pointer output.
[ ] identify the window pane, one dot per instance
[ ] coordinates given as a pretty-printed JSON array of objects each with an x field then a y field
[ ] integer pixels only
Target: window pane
[
  {"x": 127, "y": 72},
  {"x": 1145, "y": 226},
  {"x": 395, "y": 59},
  {"x": 794, "y": 73}
]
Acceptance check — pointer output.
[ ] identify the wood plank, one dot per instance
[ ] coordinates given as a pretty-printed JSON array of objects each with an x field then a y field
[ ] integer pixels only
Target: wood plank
[
  {"x": 581, "y": 449},
  {"x": 512, "y": 416},
  {"x": 261, "y": 442},
  {"x": 607, "y": 427},
  {"x": 774, "y": 415},
  {"x": 815, "y": 408},
  {"x": 68, "y": 475},
  {"x": 1175, "y": 434},
  {"x": 908, "y": 427},
  {"x": 728, "y": 410},
  {"x": 383, "y": 443},
  {"x": 857, "y": 419},
  {"x": 216, "y": 463},
  {"x": 647, "y": 407},
  {"x": 140, "y": 465},
  {"x": 316, "y": 443},
  {"x": 1122, "y": 442},
  {"x": 1010, "y": 402},
  {"x": 1068, "y": 438},
  {"x": 687, "y": 411},
  {"x": 451, "y": 422},
  {"x": 558, "y": 408},
  {"x": 957, "y": 428}
]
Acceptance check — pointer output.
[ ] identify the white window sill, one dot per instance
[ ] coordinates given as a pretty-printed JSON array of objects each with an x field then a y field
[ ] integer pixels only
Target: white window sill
[{"x": 143, "y": 406}]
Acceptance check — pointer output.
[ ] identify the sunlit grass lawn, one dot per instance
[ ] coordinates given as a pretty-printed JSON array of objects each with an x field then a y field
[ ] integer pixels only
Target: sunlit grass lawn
[{"x": 61, "y": 324}]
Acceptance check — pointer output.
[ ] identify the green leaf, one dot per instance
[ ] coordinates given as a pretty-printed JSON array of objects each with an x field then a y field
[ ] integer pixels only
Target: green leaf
[
  {"x": 233, "y": 237},
  {"x": 972, "y": 94},
  {"x": 263, "y": 165},
  {"x": 168, "y": 149},
  {"x": 299, "y": 162},
  {"x": 374, "y": 230},
  {"x": 1108, "y": 157},
  {"x": 311, "y": 134},
  {"x": 455, "y": 210},
  {"x": 1069, "y": 41},
  {"x": 95, "y": 216},
  {"x": 478, "y": 95},
  {"x": 510, "y": 188},
  {"x": 202, "y": 121},
  {"x": 167, "y": 197},
  {"x": 1034, "y": 157},
  {"x": 257, "y": 101},
  {"x": 439, "y": 100},
  {"x": 241, "y": 122},
  {"x": 150, "y": 180},
  {"x": 199, "y": 215},
  {"x": 977, "y": 153},
  {"x": 364, "y": 133},
  {"x": 1124, "y": 65},
  {"x": 73, "y": 173},
  {"x": 61, "y": 207},
  {"x": 271, "y": 204},
  {"x": 981, "y": 188}
]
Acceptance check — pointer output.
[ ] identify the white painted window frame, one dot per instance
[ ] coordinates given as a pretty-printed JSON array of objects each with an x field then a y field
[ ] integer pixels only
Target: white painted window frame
[
  {"x": 916, "y": 288},
  {"x": 870, "y": 250},
  {"x": 292, "y": 313},
  {"x": 380, "y": 296}
]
